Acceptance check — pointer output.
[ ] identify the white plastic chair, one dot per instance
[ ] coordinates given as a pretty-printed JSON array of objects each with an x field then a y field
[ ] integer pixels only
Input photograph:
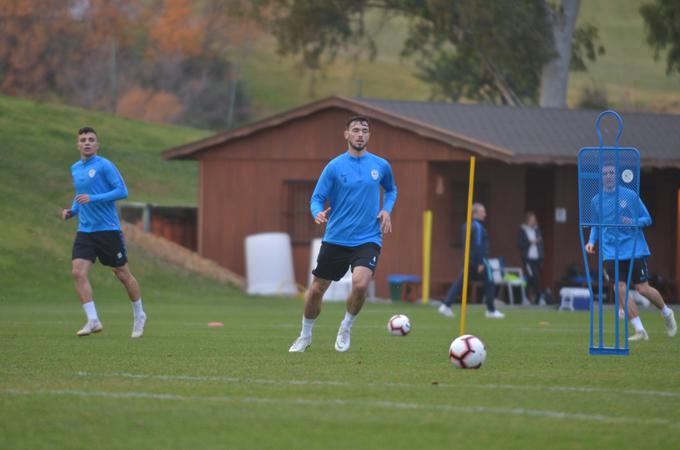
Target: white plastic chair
[{"x": 498, "y": 272}]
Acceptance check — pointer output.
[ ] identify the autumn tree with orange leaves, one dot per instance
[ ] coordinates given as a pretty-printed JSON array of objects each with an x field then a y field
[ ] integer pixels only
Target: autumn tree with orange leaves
[{"x": 158, "y": 60}]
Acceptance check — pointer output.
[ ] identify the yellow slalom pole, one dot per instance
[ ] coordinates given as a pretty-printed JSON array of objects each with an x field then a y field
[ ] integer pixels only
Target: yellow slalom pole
[
  {"x": 466, "y": 264},
  {"x": 427, "y": 246}
]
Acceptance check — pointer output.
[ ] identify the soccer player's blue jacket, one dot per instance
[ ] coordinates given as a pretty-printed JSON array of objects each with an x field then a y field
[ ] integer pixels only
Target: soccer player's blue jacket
[
  {"x": 479, "y": 243},
  {"x": 99, "y": 178},
  {"x": 352, "y": 187},
  {"x": 631, "y": 211}
]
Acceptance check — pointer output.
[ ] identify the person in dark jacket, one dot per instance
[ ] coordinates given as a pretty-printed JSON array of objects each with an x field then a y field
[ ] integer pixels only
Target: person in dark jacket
[
  {"x": 478, "y": 267},
  {"x": 530, "y": 243}
]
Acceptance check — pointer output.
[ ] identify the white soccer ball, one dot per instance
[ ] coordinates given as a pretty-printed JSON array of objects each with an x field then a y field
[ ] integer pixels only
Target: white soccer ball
[
  {"x": 399, "y": 325},
  {"x": 467, "y": 352}
]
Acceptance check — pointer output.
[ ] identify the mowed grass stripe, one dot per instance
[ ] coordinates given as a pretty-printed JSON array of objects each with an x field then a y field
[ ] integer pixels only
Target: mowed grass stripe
[
  {"x": 551, "y": 414},
  {"x": 230, "y": 379}
]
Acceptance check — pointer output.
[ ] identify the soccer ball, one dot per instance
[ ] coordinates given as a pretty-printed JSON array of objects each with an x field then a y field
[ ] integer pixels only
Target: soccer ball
[
  {"x": 467, "y": 352},
  {"x": 399, "y": 325}
]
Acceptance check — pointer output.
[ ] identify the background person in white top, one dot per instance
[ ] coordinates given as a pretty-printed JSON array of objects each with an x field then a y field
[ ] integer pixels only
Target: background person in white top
[{"x": 530, "y": 243}]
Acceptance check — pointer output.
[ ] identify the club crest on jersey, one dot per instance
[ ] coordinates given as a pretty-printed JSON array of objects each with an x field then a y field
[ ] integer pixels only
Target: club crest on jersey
[
  {"x": 374, "y": 174},
  {"x": 623, "y": 203},
  {"x": 627, "y": 176},
  {"x": 91, "y": 173}
]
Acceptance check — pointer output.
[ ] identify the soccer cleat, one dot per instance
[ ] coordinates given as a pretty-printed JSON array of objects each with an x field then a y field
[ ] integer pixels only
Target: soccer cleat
[
  {"x": 671, "y": 327},
  {"x": 446, "y": 311},
  {"x": 92, "y": 326},
  {"x": 138, "y": 326},
  {"x": 301, "y": 344},
  {"x": 494, "y": 315},
  {"x": 342, "y": 341},
  {"x": 639, "y": 336}
]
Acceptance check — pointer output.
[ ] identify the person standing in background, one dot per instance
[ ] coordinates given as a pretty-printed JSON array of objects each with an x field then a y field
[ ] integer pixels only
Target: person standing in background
[
  {"x": 530, "y": 243},
  {"x": 479, "y": 267}
]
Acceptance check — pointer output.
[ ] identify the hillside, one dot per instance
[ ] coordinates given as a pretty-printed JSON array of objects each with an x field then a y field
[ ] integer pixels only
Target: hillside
[
  {"x": 37, "y": 150},
  {"x": 627, "y": 72}
]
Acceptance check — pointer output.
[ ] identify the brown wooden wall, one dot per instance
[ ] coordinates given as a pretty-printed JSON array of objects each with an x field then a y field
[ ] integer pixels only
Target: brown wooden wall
[
  {"x": 242, "y": 193},
  {"x": 567, "y": 242},
  {"x": 659, "y": 190},
  {"x": 552, "y": 187},
  {"x": 505, "y": 210},
  {"x": 176, "y": 224},
  {"x": 180, "y": 229},
  {"x": 241, "y": 190}
]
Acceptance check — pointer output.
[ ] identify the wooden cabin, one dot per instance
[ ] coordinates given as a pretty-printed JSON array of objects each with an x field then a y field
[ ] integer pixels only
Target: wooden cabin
[{"x": 258, "y": 178}]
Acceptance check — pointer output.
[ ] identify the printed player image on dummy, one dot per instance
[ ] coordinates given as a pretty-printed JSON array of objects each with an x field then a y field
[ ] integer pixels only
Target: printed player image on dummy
[{"x": 610, "y": 213}]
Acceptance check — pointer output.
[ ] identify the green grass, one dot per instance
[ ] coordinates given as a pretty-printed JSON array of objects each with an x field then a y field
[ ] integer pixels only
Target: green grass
[
  {"x": 36, "y": 151},
  {"x": 276, "y": 83},
  {"x": 185, "y": 385},
  {"x": 628, "y": 71}
]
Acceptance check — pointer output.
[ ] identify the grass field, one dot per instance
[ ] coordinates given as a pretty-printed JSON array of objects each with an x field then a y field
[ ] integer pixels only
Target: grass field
[
  {"x": 185, "y": 385},
  {"x": 628, "y": 73},
  {"x": 37, "y": 148}
]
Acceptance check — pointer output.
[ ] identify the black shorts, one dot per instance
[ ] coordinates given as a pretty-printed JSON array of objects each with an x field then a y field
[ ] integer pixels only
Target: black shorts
[
  {"x": 640, "y": 272},
  {"x": 108, "y": 246},
  {"x": 334, "y": 260}
]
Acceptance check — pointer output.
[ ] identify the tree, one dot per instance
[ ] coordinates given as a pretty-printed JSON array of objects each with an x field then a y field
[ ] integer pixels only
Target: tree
[
  {"x": 57, "y": 47},
  {"x": 481, "y": 50},
  {"x": 166, "y": 60},
  {"x": 176, "y": 31},
  {"x": 555, "y": 73},
  {"x": 488, "y": 51},
  {"x": 662, "y": 27}
]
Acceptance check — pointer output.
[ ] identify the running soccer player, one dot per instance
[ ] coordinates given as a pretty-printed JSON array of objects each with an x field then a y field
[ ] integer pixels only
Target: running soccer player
[
  {"x": 352, "y": 184},
  {"x": 629, "y": 208},
  {"x": 98, "y": 185}
]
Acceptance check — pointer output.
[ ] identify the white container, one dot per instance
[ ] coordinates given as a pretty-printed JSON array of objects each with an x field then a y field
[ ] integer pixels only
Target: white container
[
  {"x": 269, "y": 265},
  {"x": 338, "y": 290}
]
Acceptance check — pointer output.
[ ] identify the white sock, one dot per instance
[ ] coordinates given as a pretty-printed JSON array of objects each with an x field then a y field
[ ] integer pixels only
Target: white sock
[
  {"x": 307, "y": 325},
  {"x": 348, "y": 321},
  {"x": 637, "y": 324},
  {"x": 666, "y": 311},
  {"x": 137, "y": 308},
  {"x": 90, "y": 310}
]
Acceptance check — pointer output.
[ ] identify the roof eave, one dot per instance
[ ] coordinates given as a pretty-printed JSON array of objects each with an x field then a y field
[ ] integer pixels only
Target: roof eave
[{"x": 191, "y": 150}]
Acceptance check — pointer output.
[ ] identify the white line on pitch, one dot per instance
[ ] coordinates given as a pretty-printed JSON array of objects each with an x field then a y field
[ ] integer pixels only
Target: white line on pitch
[
  {"x": 556, "y": 330},
  {"x": 228, "y": 379},
  {"x": 603, "y": 418}
]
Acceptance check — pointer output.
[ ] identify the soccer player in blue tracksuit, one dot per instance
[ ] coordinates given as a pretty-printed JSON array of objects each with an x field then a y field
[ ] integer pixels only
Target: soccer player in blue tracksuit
[
  {"x": 351, "y": 183},
  {"x": 98, "y": 185},
  {"x": 628, "y": 244},
  {"x": 479, "y": 267}
]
